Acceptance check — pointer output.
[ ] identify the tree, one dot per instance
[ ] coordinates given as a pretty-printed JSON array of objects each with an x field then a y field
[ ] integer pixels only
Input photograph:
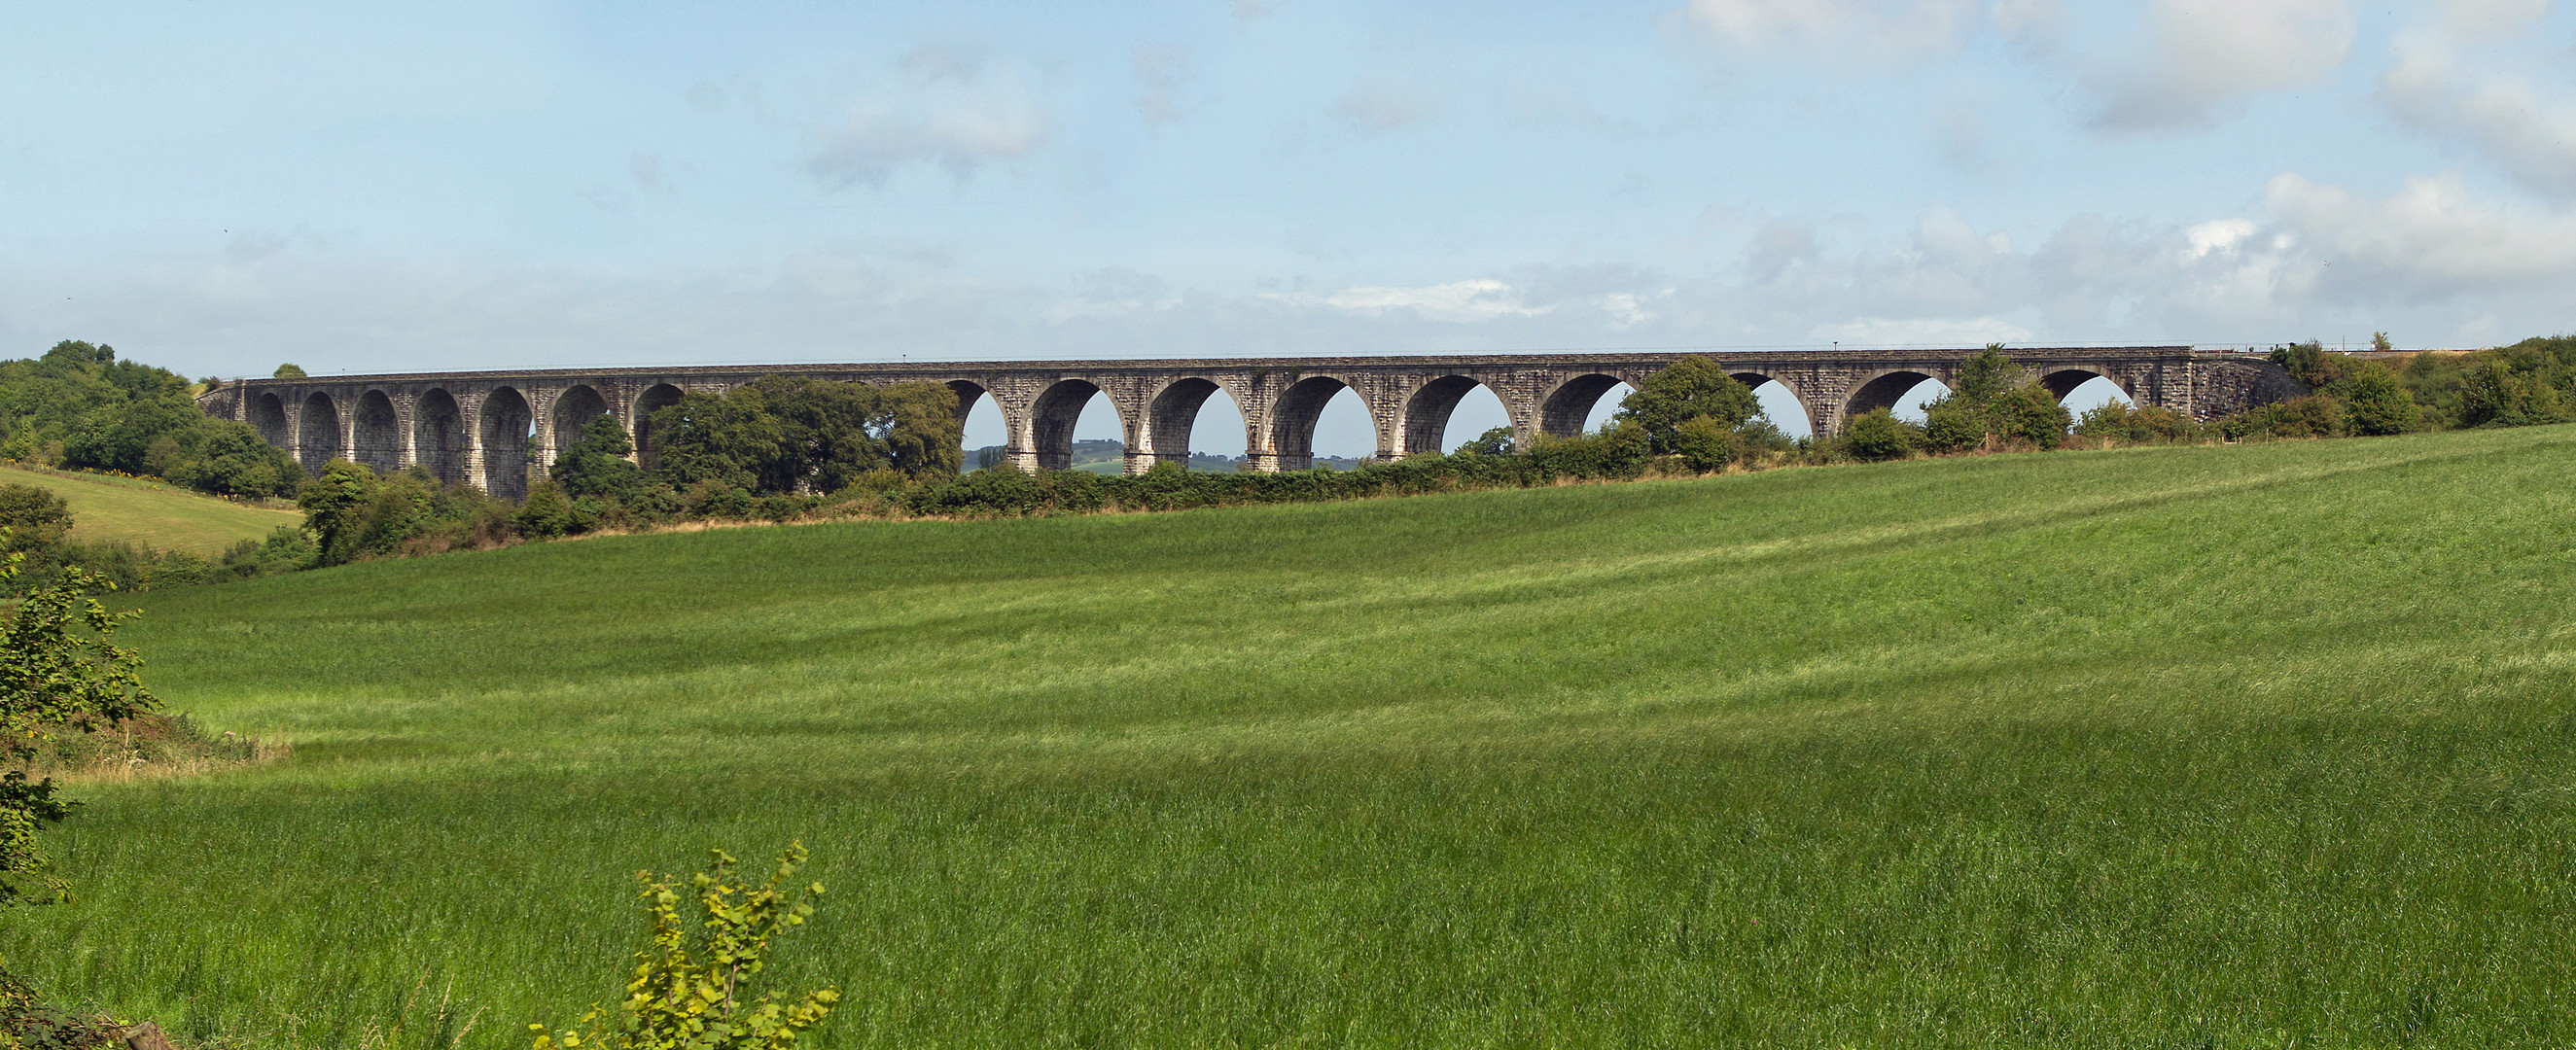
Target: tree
[
  {"x": 2379, "y": 342},
  {"x": 595, "y": 463},
  {"x": 1952, "y": 424},
  {"x": 1878, "y": 434},
  {"x": 1706, "y": 443},
  {"x": 2029, "y": 414},
  {"x": 1986, "y": 375},
  {"x": 1685, "y": 390},
  {"x": 1495, "y": 442},
  {"x": 335, "y": 507},
  {"x": 57, "y": 668},
  {"x": 288, "y": 371},
  {"x": 35, "y": 518},
  {"x": 2376, "y": 403}
]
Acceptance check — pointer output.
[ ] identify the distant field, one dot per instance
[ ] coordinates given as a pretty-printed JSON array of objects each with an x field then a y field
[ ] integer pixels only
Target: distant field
[
  {"x": 2265, "y": 745},
  {"x": 154, "y": 514}
]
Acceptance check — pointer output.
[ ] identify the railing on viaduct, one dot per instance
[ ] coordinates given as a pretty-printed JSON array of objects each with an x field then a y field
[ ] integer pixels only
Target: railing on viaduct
[{"x": 499, "y": 429}]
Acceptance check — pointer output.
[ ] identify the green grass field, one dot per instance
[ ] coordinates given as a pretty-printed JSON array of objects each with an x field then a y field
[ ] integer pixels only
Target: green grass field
[
  {"x": 2254, "y": 746},
  {"x": 153, "y": 515}
]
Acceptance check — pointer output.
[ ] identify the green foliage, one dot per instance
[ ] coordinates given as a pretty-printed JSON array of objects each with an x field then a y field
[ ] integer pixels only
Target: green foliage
[
  {"x": 1878, "y": 434},
  {"x": 782, "y": 435},
  {"x": 1953, "y": 424},
  {"x": 2116, "y": 421},
  {"x": 2313, "y": 416},
  {"x": 546, "y": 514},
  {"x": 1690, "y": 388},
  {"x": 57, "y": 667},
  {"x": 595, "y": 464},
  {"x": 288, "y": 371},
  {"x": 693, "y": 986},
  {"x": 34, "y": 517},
  {"x": 1707, "y": 444},
  {"x": 2376, "y": 403},
  {"x": 80, "y": 407},
  {"x": 2028, "y": 415},
  {"x": 1495, "y": 442},
  {"x": 28, "y": 1023},
  {"x": 2310, "y": 363},
  {"x": 1986, "y": 375}
]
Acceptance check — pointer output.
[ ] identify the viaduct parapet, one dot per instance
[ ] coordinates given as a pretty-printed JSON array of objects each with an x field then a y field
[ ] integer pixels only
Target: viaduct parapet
[{"x": 499, "y": 429}]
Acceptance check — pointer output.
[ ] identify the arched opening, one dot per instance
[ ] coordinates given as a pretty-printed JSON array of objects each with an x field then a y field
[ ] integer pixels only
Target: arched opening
[
  {"x": 507, "y": 422},
  {"x": 268, "y": 416},
  {"x": 985, "y": 432},
  {"x": 657, "y": 397},
  {"x": 1072, "y": 432},
  {"x": 1172, "y": 433},
  {"x": 376, "y": 437},
  {"x": 1780, "y": 404},
  {"x": 438, "y": 436},
  {"x": 1321, "y": 405},
  {"x": 1904, "y": 393},
  {"x": 574, "y": 409},
  {"x": 317, "y": 433},
  {"x": 1449, "y": 412},
  {"x": 1577, "y": 404},
  {"x": 2082, "y": 390}
]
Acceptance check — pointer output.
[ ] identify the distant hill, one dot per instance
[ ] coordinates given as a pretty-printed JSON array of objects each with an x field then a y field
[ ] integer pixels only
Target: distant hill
[{"x": 152, "y": 514}]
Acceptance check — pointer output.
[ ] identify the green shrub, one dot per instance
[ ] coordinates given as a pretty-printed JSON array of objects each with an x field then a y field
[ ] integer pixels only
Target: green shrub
[
  {"x": 2029, "y": 415},
  {"x": 1878, "y": 434},
  {"x": 1706, "y": 443},
  {"x": 2376, "y": 403},
  {"x": 1953, "y": 424},
  {"x": 546, "y": 515},
  {"x": 692, "y": 988}
]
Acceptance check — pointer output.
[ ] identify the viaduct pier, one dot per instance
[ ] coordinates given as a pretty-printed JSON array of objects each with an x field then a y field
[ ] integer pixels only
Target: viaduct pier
[{"x": 499, "y": 429}]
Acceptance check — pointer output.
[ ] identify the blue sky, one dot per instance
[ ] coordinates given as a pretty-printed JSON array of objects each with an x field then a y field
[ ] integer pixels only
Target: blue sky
[{"x": 220, "y": 187}]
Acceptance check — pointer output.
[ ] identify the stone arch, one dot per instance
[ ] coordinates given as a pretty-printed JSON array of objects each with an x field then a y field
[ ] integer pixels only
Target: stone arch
[
  {"x": 1882, "y": 391},
  {"x": 317, "y": 432},
  {"x": 1172, "y": 413},
  {"x": 968, "y": 392},
  {"x": 438, "y": 436},
  {"x": 1292, "y": 419},
  {"x": 375, "y": 439},
  {"x": 1564, "y": 409},
  {"x": 1755, "y": 381},
  {"x": 506, "y": 419},
  {"x": 268, "y": 416},
  {"x": 1052, "y": 416},
  {"x": 573, "y": 410},
  {"x": 655, "y": 398},
  {"x": 1427, "y": 411},
  {"x": 2063, "y": 381}
]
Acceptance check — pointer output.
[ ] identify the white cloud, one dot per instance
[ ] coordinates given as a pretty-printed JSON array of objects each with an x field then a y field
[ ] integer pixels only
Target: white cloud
[
  {"x": 2203, "y": 54},
  {"x": 2427, "y": 239},
  {"x": 2489, "y": 18},
  {"x": 1389, "y": 104},
  {"x": 1862, "y": 28},
  {"x": 961, "y": 113},
  {"x": 1922, "y": 331},
  {"x": 2218, "y": 235},
  {"x": 1159, "y": 68},
  {"x": 1474, "y": 300},
  {"x": 2503, "y": 117}
]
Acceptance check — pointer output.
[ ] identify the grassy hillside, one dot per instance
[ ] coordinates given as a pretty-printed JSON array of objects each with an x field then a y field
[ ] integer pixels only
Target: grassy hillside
[
  {"x": 152, "y": 515},
  {"x": 2250, "y": 746}
]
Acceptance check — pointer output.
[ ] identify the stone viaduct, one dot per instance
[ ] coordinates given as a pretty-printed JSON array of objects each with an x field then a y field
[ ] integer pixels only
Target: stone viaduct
[{"x": 499, "y": 429}]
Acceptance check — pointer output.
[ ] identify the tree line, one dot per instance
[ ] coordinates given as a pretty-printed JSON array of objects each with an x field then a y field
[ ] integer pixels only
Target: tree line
[{"x": 789, "y": 448}]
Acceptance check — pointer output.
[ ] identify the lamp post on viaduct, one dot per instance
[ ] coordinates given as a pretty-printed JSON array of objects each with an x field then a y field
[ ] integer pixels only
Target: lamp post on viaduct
[{"x": 499, "y": 429}]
